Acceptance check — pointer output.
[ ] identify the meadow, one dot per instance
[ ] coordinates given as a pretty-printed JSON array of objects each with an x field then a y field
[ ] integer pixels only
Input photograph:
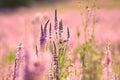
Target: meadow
[{"x": 78, "y": 41}]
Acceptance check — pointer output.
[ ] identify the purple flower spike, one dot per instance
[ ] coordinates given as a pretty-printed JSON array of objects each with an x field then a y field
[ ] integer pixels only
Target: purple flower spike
[
  {"x": 68, "y": 34},
  {"x": 56, "y": 62},
  {"x": 45, "y": 28},
  {"x": 56, "y": 21},
  {"x": 18, "y": 60},
  {"x": 43, "y": 35},
  {"x": 42, "y": 38},
  {"x": 50, "y": 31},
  {"x": 60, "y": 28}
]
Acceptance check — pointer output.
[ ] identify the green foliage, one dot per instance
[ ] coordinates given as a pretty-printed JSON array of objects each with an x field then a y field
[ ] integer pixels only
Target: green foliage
[
  {"x": 88, "y": 51},
  {"x": 49, "y": 0},
  {"x": 116, "y": 69},
  {"x": 90, "y": 58},
  {"x": 14, "y": 3},
  {"x": 9, "y": 58},
  {"x": 63, "y": 61},
  {"x": 17, "y": 3},
  {"x": 78, "y": 34},
  {"x": 116, "y": 63},
  {"x": 84, "y": 48}
]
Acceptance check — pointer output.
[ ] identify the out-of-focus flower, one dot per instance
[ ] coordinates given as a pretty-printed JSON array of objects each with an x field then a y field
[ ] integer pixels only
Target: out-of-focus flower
[
  {"x": 107, "y": 71},
  {"x": 43, "y": 35},
  {"x": 18, "y": 61}
]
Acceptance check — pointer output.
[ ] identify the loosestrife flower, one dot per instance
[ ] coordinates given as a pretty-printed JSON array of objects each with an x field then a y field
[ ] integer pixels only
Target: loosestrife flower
[
  {"x": 50, "y": 32},
  {"x": 60, "y": 29},
  {"x": 56, "y": 65},
  {"x": 18, "y": 60},
  {"x": 43, "y": 35},
  {"x": 107, "y": 71},
  {"x": 56, "y": 22}
]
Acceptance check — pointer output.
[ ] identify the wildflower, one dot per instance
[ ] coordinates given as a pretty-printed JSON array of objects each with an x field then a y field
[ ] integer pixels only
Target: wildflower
[
  {"x": 107, "y": 71},
  {"x": 50, "y": 31},
  {"x": 42, "y": 38},
  {"x": 43, "y": 35},
  {"x": 68, "y": 35},
  {"x": 26, "y": 74},
  {"x": 60, "y": 29},
  {"x": 18, "y": 61},
  {"x": 56, "y": 62},
  {"x": 56, "y": 21},
  {"x": 51, "y": 75}
]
